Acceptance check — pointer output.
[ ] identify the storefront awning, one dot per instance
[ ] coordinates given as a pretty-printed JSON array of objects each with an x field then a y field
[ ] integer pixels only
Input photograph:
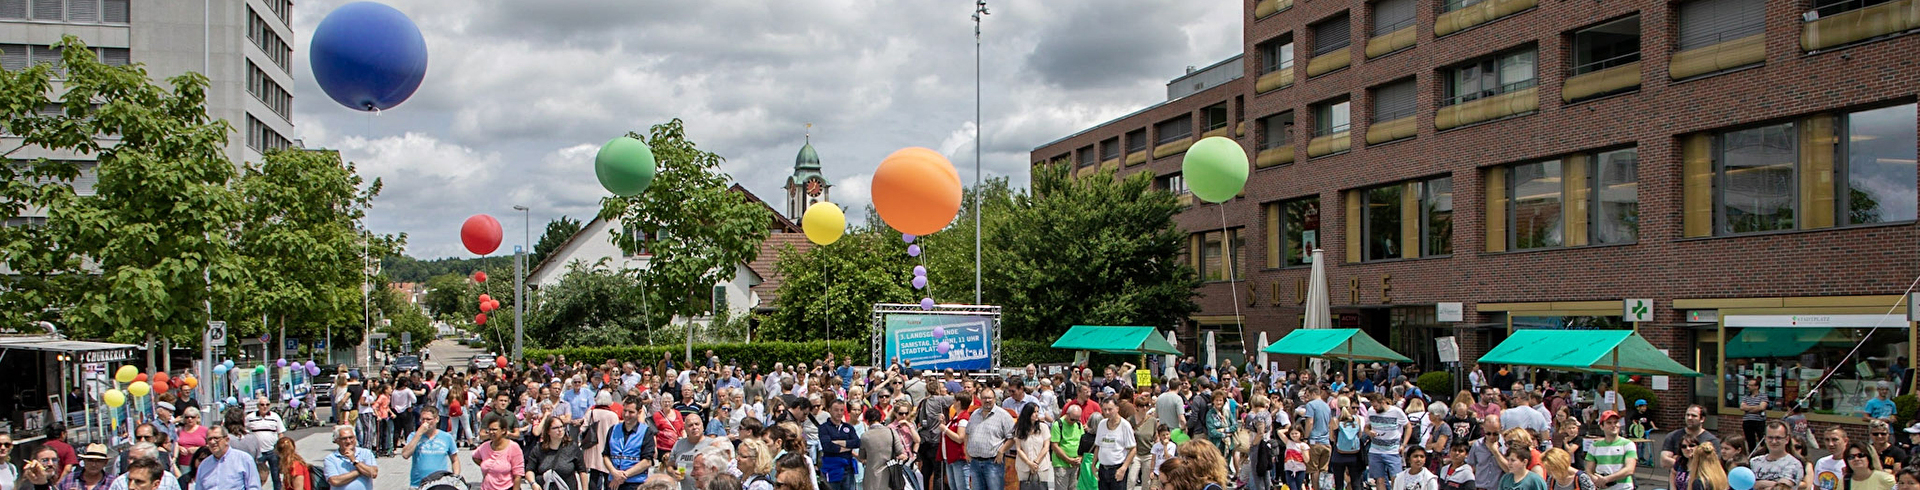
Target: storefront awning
[
  {"x": 1600, "y": 351},
  {"x": 1334, "y": 343},
  {"x": 1115, "y": 340},
  {"x": 83, "y": 351}
]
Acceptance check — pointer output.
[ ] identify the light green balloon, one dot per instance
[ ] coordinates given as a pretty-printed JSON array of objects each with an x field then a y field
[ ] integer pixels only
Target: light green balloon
[
  {"x": 1215, "y": 169},
  {"x": 625, "y": 166}
]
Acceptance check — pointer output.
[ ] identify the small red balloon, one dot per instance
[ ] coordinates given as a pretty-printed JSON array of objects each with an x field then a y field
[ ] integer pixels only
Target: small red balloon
[
  {"x": 160, "y": 386},
  {"x": 480, "y": 319},
  {"x": 481, "y": 234},
  {"x": 495, "y": 304},
  {"x": 486, "y": 307},
  {"x": 500, "y": 361},
  {"x": 485, "y": 298},
  {"x": 140, "y": 377},
  {"x": 159, "y": 378},
  {"x": 479, "y": 276}
]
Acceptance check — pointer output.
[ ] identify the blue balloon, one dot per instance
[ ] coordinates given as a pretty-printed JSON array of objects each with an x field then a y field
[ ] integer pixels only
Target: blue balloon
[
  {"x": 368, "y": 56},
  {"x": 1740, "y": 478},
  {"x": 229, "y": 364},
  {"x": 219, "y": 370}
]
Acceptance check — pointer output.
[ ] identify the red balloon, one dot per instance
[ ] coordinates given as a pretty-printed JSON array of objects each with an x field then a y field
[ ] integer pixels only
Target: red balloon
[
  {"x": 140, "y": 377},
  {"x": 479, "y": 276},
  {"x": 486, "y": 307},
  {"x": 160, "y": 387},
  {"x": 495, "y": 304},
  {"x": 159, "y": 379},
  {"x": 500, "y": 361},
  {"x": 480, "y": 319},
  {"x": 481, "y": 234},
  {"x": 485, "y": 298}
]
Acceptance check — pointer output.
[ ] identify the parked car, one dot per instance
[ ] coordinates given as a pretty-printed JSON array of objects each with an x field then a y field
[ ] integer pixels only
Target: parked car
[
  {"x": 404, "y": 363},
  {"x": 483, "y": 361}
]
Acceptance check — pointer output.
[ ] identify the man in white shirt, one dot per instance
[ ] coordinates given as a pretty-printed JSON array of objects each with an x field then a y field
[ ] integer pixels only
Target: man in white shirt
[
  {"x": 1828, "y": 471},
  {"x": 1388, "y": 428}
]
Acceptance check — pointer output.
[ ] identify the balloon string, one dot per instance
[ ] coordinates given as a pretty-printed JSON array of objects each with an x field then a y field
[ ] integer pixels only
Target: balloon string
[{"x": 1226, "y": 237}]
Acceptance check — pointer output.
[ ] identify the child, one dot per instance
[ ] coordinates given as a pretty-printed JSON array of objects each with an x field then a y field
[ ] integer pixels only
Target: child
[
  {"x": 1416, "y": 477},
  {"x": 1295, "y": 468},
  {"x": 1163, "y": 450},
  {"x": 1458, "y": 475}
]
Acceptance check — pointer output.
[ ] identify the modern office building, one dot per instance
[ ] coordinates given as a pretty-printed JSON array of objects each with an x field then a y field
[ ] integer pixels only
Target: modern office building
[
  {"x": 1746, "y": 165},
  {"x": 245, "y": 47}
]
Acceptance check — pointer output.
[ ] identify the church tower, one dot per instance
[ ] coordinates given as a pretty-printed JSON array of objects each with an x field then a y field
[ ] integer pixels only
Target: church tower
[{"x": 806, "y": 186}]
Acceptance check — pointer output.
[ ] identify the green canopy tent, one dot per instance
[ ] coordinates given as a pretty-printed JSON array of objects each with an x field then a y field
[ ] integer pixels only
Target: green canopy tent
[
  {"x": 1115, "y": 340},
  {"x": 1595, "y": 351},
  {"x": 1349, "y": 344}
]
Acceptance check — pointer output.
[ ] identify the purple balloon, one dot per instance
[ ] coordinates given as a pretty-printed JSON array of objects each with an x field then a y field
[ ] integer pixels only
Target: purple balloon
[
  {"x": 913, "y": 250},
  {"x": 944, "y": 347},
  {"x": 311, "y": 365},
  {"x": 919, "y": 282},
  {"x": 926, "y": 303},
  {"x": 907, "y": 237},
  {"x": 313, "y": 371},
  {"x": 282, "y": 362},
  {"x": 295, "y": 403},
  {"x": 920, "y": 271},
  {"x": 939, "y": 332}
]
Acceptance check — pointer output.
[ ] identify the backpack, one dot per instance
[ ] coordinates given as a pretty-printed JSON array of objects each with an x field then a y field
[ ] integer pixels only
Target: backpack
[{"x": 1346, "y": 439}]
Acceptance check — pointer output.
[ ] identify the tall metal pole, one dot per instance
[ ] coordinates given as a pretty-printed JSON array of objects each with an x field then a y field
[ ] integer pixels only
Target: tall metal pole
[
  {"x": 979, "y": 10},
  {"x": 206, "y": 334},
  {"x": 520, "y": 278}
]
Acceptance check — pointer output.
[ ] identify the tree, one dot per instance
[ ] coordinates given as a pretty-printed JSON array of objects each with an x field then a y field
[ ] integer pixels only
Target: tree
[
  {"x": 697, "y": 230},
  {"x": 558, "y": 231},
  {"x": 831, "y": 289},
  {"x": 46, "y": 277},
  {"x": 403, "y": 317},
  {"x": 408, "y": 269},
  {"x": 592, "y": 305},
  {"x": 159, "y": 227},
  {"x": 444, "y": 293}
]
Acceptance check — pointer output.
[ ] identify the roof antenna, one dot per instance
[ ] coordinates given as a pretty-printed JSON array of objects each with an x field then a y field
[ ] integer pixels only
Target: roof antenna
[{"x": 809, "y": 133}]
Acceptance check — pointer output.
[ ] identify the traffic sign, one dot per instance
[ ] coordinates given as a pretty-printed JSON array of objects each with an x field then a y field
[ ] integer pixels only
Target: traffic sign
[
  {"x": 1636, "y": 310},
  {"x": 217, "y": 333},
  {"x": 293, "y": 343}
]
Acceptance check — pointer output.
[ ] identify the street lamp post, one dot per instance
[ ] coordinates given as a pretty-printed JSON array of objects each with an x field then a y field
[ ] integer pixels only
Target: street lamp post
[{"x": 520, "y": 278}]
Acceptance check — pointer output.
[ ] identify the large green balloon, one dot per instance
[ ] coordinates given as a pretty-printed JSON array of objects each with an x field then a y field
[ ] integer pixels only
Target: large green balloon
[
  {"x": 1215, "y": 169},
  {"x": 625, "y": 166}
]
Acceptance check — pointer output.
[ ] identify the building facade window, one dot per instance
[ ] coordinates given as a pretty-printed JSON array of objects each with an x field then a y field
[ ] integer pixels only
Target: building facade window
[
  {"x": 1381, "y": 225},
  {"x": 1110, "y": 148},
  {"x": 262, "y": 138},
  {"x": 1710, "y": 22},
  {"x": 1171, "y": 183},
  {"x": 1394, "y": 100},
  {"x": 1534, "y": 205},
  {"x": 1880, "y": 174},
  {"x": 76, "y": 11},
  {"x": 1606, "y": 45},
  {"x": 1214, "y": 262},
  {"x": 1755, "y": 170},
  {"x": 1830, "y": 7},
  {"x": 1083, "y": 157},
  {"x": 1616, "y": 197},
  {"x": 1276, "y": 55},
  {"x": 1452, "y": 5},
  {"x": 1490, "y": 76},
  {"x": 1276, "y": 131},
  {"x": 1296, "y": 231},
  {"x": 1137, "y": 141},
  {"x": 1332, "y": 117},
  {"x": 1216, "y": 116},
  {"x": 1391, "y": 15},
  {"x": 268, "y": 91},
  {"x": 268, "y": 41},
  {"x": 1538, "y": 197},
  {"x": 1172, "y": 130},
  {"x": 1436, "y": 217},
  {"x": 1332, "y": 34}
]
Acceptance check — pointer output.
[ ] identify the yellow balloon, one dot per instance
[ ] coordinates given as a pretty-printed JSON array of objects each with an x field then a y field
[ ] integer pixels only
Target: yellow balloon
[
  {"x": 139, "y": 388},
  {"x": 126, "y": 373},
  {"x": 114, "y": 398},
  {"x": 824, "y": 223}
]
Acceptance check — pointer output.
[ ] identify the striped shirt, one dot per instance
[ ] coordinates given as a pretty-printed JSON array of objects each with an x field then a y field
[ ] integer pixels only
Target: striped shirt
[
  {"x": 1609, "y": 456},
  {"x": 1760, "y": 399}
]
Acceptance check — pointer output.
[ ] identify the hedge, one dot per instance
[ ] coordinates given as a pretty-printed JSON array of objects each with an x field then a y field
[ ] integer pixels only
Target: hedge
[
  {"x": 1013, "y": 352},
  {"x": 1438, "y": 385}
]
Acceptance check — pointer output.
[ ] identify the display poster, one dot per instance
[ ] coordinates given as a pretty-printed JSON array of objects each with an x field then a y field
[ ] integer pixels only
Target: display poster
[{"x": 936, "y": 342}]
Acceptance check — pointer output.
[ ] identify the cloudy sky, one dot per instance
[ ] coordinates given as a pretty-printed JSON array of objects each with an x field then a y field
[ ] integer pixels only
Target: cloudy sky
[{"x": 519, "y": 94}]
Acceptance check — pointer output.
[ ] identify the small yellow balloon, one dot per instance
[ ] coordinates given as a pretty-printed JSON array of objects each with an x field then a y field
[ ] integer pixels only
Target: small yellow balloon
[
  {"x": 114, "y": 398},
  {"x": 139, "y": 388},
  {"x": 824, "y": 223},
  {"x": 126, "y": 373}
]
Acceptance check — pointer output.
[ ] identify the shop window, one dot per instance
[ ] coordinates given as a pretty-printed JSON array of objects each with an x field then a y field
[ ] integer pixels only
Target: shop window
[
  {"x": 1332, "y": 34},
  {"x": 1294, "y": 229},
  {"x": 1332, "y": 117},
  {"x": 1436, "y": 217},
  {"x": 1214, "y": 261},
  {"x": 1490, "y": 76},
  {"x": 1606, "y": 45},
  {"x": 1175, "y": 129},
  {"x": 1276, "y": 131},
  {"x": 1569, "y": 322},
  {"x": 1789, "y": 361},
  {"x": 1879, "y": 168}
]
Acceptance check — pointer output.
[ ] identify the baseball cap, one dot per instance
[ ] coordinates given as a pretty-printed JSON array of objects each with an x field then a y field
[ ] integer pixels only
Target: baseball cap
[
  {"x": 1609, "y": 415},
  {"x": 1914, "y": 429},
  {"x": 1639, "y": 403},
  {"x": 164, "y": 406}
]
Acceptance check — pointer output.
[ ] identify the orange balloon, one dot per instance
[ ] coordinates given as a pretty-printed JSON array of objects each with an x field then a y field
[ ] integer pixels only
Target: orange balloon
[
  {"x": 916, "y": 191},
  {"x": 161, "y": 386}
]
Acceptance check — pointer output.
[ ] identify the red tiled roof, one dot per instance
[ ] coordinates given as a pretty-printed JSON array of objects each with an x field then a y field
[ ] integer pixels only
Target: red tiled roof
[{"x": 763, "y": 265}]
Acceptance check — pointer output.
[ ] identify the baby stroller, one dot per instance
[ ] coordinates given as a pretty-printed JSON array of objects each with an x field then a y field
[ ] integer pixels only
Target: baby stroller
[{"x": 442, "y": 480}]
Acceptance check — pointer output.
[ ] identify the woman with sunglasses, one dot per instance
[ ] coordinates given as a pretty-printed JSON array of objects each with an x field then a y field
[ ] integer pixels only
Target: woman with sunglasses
[
  {"x": 1863, "y": 469},
  {"x": 9, "y": 473},
  {"x": 193, "y": 436}
]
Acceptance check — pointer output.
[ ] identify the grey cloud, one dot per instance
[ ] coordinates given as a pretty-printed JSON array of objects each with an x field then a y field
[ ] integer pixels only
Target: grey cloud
[{"x": 1114, "y": 43}]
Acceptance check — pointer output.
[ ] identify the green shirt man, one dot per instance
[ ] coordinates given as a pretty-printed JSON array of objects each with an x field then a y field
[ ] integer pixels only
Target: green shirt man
[{"x": 1066, "y": 435}]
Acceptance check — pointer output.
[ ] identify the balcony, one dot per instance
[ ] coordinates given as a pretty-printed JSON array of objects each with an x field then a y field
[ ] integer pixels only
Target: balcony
[
  {"x": 1085, "y": 171},
  {"x": 1332, "y": 60},
  {"x": 1172, "y": 147},
  {"x": 1240, "y": 130},
  {"x": 1394, "y": 129},
  {"x": 1220, "y": 130},
  {"x": 1476, "y": 14},
  {"x": 1399, "y": 39},
  {"x": 1110, "y": 164},
  {"x": 1330, "y": 144},
  {"x": 1602, "y": 81},
  {"x": 1266, "y": 8},
  {"x": 1279, "y": 155},
  {"x": 1185, "y": 199},
  {"x": 1488, "y": 108},
  {"x": 1136, "y": 157},
  {"x": 1860, "y": 24},
  {"x": 1728, "y": 54},
  {"x": 1274, "y": 80}
]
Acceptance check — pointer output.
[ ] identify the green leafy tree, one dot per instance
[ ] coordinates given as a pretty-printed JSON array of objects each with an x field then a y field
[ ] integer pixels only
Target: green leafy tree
[
  {"x": 443, "y": 294},
  {"x": 158, "y": 228},
  {"x": 833, "y": 288},
  {"x": 592, "y": 305},
  {"x": 696, "y": 228},
  {"x": 402, "y": 317},
  {"x": 558, "y": 231},
  {"x": 45, "y": 279},
  {"x": 408, "y": 269}
]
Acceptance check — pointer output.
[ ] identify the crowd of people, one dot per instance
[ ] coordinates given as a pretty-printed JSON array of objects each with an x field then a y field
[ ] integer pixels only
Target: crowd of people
[{"x": 556, "y": 424}]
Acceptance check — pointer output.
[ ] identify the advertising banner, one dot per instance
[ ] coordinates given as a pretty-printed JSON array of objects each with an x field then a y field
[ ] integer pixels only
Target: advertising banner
[{"x": 960, "y": 342}]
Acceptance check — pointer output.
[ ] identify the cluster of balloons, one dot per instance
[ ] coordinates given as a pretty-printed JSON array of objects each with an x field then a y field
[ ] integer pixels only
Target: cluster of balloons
[
  {"x": 140, "y": 384},
  {"x": 945, "y": 346},
  {"x": 311, "y": 368},
  {"x": 368, "y": 56},
  {"x": 481, "y": 235},
  {"x": 487, "y": 305},
  {"x": 919, "y": 271}
]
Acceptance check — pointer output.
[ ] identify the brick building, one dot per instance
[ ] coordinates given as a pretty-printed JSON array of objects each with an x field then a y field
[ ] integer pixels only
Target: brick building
[{"x": 1748, "y": 165}]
